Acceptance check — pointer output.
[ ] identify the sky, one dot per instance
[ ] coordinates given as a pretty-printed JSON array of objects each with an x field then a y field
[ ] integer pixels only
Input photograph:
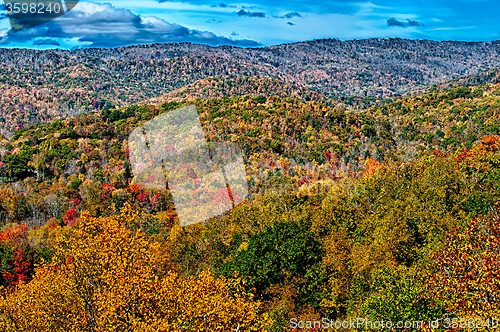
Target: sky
[{"x": 254, "y": 23}]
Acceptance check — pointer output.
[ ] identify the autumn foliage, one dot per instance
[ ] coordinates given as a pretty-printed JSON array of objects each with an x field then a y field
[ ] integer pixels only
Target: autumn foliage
[
  {"x": 110, "y": 278},
  {"x": 468, "y": 275},
  {"x": 390, "y": 212}
]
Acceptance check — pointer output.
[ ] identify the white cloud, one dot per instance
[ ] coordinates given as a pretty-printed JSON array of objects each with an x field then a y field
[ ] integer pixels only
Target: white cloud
[{"x": 104, "y": 25}]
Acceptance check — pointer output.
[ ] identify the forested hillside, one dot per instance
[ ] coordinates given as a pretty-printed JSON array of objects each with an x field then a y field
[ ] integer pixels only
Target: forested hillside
[
  {"x": 232, "y": 86},
  {"x": 387, "y": 213},
  {"x": 37, "y": 86},
  {"x": 486, "y": 77}
]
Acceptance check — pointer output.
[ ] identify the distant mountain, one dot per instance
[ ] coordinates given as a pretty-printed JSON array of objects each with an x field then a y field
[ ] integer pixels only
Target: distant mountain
[{"x": 36, "y": 86}]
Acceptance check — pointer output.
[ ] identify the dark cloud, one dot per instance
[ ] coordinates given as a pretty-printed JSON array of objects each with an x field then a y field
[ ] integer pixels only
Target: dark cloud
[
  {"x": 250, "y": 14},
  {"x": 392, "y": 22},
  {"x": 291, "y": 15},
  {"x": 223, "y": 5},
  {"x": 46, "y": 42},
  {"x": 103, "y": 25},
  {"x": 415, "y": 24},
  {"x": 234, "y": 34},
  {"x": 290, "y": 23}
]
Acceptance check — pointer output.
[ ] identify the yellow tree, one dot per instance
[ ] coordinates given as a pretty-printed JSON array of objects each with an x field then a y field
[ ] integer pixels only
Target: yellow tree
[{"x": 107, "y": 277}]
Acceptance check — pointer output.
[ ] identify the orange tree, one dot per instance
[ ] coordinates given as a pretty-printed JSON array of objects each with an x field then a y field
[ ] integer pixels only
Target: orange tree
[{"x": 108, "y": 277}]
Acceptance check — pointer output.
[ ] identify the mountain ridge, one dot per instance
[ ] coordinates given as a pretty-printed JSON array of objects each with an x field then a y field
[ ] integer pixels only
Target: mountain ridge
[{"x": 37, "y": 86}]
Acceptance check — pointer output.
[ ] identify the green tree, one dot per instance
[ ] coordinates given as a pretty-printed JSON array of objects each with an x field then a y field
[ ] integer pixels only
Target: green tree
[{"x": 279, "y": 254}]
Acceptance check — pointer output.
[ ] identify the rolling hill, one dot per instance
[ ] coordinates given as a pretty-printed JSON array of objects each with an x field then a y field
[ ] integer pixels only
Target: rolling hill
[{"x": 233, "y": 86}]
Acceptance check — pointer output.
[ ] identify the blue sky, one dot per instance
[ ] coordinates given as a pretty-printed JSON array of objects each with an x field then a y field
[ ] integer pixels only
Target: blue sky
[{"x": 256, "y": 23}]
